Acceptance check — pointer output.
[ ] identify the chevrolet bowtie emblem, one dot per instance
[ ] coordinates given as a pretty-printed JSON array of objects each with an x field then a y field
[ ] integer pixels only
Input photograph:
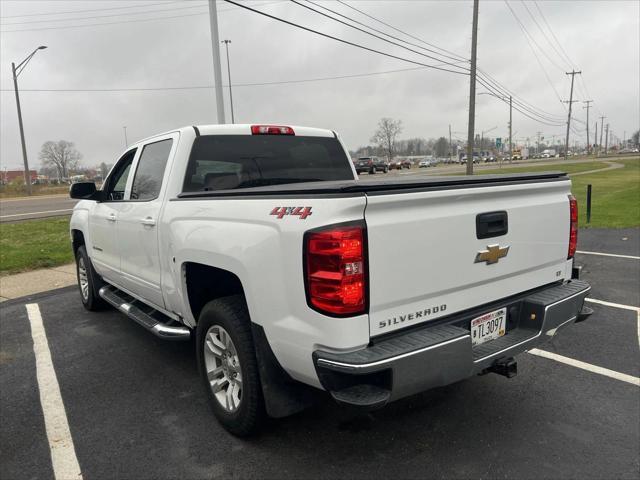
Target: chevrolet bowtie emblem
[{"x": 492, "y": 254}]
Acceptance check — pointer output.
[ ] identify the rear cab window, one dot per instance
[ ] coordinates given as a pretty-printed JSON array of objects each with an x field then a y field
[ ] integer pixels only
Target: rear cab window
[{"x": 226, "y": 162}]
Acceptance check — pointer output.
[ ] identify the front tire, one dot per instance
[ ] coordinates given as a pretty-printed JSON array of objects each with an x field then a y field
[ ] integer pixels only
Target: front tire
[
  {"x": 89, "y": 282},
  {"x": 228, "y": 365}
]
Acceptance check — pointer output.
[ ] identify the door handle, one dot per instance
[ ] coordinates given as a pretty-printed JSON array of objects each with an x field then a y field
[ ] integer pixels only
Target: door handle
[
  {"x": 111, "y": 217},
  {"x": 150, "y": 222}
]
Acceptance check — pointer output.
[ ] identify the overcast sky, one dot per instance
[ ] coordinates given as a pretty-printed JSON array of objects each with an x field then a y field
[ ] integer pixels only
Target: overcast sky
[{"x": 601, "y": 38}]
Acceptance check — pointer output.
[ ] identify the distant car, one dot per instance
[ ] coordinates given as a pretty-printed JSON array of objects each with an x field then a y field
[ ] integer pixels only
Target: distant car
[
  {"x": 371, "y": 165},
  {"x": 490, "y": 159},
  {"x": 399, "y": 164},
  {"x": 425, "y": 164}
]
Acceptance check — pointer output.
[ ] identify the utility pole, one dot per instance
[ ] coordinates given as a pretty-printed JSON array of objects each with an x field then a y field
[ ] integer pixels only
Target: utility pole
[
  {"x": 217, "y": 69},
  {"x": 595, "y": 137},
  {"x": 601, "y": 129},
  {"x": 510, "y": 127},
  {"x": 226, "y": 44},
  {"x": 538, "y": 143},
  {"x": 126, "y": 143},
  {"x": 566, "y": 143},
  {"x": 450, "y": 147},
  {"x": 587, "y": 107},
  {"x": 472, "y": 90},
  {"x": 606, "y": 141}
]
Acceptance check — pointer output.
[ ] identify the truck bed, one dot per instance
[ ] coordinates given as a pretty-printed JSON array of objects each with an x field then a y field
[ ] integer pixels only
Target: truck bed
[{"x": 382, "y": 186}]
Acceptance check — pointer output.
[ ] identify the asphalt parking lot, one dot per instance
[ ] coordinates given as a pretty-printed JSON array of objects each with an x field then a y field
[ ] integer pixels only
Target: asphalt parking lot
[{"x": 135, "y": 408}]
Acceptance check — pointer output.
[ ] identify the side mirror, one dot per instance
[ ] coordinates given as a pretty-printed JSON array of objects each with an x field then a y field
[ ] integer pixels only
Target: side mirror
[{"x": 84, "y": 191}]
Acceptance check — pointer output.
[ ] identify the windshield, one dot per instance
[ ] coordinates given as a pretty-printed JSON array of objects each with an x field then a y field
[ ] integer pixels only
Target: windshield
[{"x": 224, "y": 162}]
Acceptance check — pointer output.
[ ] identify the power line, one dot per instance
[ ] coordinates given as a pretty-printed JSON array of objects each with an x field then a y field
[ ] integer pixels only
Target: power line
[
  {"x": 400, "y": 31},
  {"x": 104, "y": 16},
  {"x": 544, "y": 34},
  {"x": 92, "y": 10},
  {"x": 341, "y": 40},
  {"x": 544, "y": 19},
  {"x": 582, "y": 81},
  {"x": 378, "y": 37},
  {"x": 525, "y": 105},
  {"x": 500, "y": 96},
  {"x": 524, "y": 29},
  {"x": 201, "y": 87},
  {"x": 387, "y": 34},
  {"x": 65, "y": 27},
  {"x": 533, "y": 51}
]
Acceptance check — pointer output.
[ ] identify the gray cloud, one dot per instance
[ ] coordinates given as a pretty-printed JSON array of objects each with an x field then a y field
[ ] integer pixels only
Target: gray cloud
[{"x": 600, "y": 37}]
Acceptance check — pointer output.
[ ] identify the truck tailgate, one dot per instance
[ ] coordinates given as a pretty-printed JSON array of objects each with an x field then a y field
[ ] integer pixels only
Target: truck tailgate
[{"x": 423, "y": 246}]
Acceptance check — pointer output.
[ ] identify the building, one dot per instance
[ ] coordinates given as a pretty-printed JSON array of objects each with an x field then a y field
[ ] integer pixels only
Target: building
[{"x": 10, "y": 176}]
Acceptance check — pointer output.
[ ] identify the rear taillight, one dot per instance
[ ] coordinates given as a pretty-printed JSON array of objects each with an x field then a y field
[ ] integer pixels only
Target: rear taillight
[
  {"x": 335, "y": 269},
  {"x": 573, "y": 228},
  {"x": 271, "y": 130}
]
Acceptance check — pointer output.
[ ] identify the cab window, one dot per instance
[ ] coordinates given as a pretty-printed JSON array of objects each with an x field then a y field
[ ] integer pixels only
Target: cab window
[{"x": 117, "y": 181}]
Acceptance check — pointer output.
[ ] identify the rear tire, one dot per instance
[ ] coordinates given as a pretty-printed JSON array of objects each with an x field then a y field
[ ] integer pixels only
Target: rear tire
[
  {"x": 89, "y": 282},
  {"x": 228, "y": 365},
  {"x": 386, "y": 170},
  {"x": 372, "y": 171}
]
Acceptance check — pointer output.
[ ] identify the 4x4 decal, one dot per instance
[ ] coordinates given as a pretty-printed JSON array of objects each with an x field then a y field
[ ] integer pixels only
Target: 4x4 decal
[{"x": 302, "y": 212}]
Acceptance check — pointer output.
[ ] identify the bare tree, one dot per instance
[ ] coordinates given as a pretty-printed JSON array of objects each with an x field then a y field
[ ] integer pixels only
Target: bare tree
[
  {"x": 61, "y": 155},
  {"x": 441, "y": 146},
  {"x": 104, "y": 169},
  {"x": 385, "y": 136}
]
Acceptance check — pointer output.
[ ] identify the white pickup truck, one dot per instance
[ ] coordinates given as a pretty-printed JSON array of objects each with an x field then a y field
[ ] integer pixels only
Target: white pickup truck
[{"x": 295, "y": 277}]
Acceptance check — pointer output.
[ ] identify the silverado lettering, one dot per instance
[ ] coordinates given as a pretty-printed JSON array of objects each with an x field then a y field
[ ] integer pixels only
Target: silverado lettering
[{"x": 427, "y": 312}]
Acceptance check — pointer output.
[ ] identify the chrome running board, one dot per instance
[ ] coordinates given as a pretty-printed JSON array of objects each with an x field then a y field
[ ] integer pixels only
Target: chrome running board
[{"x": 154, "y": 321}]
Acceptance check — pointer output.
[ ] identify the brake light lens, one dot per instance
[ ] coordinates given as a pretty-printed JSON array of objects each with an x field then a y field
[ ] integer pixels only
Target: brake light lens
[
  {"x": 336, "y": 270},
  {"x": 271, "y": 130},
  {"x": 573, "y": 228}
]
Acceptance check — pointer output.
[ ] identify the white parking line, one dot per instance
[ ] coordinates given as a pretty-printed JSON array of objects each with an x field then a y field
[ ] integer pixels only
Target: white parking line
[
  {"x": 619, "y": 305},
  {"x": 608, "y": 254},
  {"x": 623, "y": 377},
  {"x": 614, "y": 305},
  {"x": 35, "y": 213},
  {"x": 63, "y": 454}
]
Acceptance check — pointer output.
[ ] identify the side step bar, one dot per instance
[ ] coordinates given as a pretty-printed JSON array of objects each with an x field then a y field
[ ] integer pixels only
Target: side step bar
[{"x": 154, "y": 321}]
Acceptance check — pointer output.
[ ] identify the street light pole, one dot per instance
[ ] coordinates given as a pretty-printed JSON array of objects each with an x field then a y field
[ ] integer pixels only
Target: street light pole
[
  {"x": 215, "y": 50},
  {"x": 472, "y": 90},
  {"x": 16, "y": 71},
  {"x": 226, "y": 44},
  {"x": 126, "y": 143}
]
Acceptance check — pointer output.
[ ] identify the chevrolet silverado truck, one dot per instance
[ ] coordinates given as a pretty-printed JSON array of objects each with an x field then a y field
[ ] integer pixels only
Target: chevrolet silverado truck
[{"x": 294, "y": 277}]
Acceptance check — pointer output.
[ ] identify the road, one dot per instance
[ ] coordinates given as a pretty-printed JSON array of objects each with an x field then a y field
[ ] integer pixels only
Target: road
[
  {"x": 29, "y": 208},
  {"x": 18, "y": 209},
  {"x": 133, "y": 405}
]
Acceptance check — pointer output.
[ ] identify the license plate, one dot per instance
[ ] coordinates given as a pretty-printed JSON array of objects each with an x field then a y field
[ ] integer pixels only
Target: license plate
[{"x": 488, "y": 326}]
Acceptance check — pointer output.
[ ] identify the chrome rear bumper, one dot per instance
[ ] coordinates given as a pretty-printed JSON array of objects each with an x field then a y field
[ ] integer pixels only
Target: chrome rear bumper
[{"x": 440, "y": 354}]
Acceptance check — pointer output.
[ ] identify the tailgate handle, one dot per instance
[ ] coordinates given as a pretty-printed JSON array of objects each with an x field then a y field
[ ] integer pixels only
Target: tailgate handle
[{"x": 491, "y": 224}]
